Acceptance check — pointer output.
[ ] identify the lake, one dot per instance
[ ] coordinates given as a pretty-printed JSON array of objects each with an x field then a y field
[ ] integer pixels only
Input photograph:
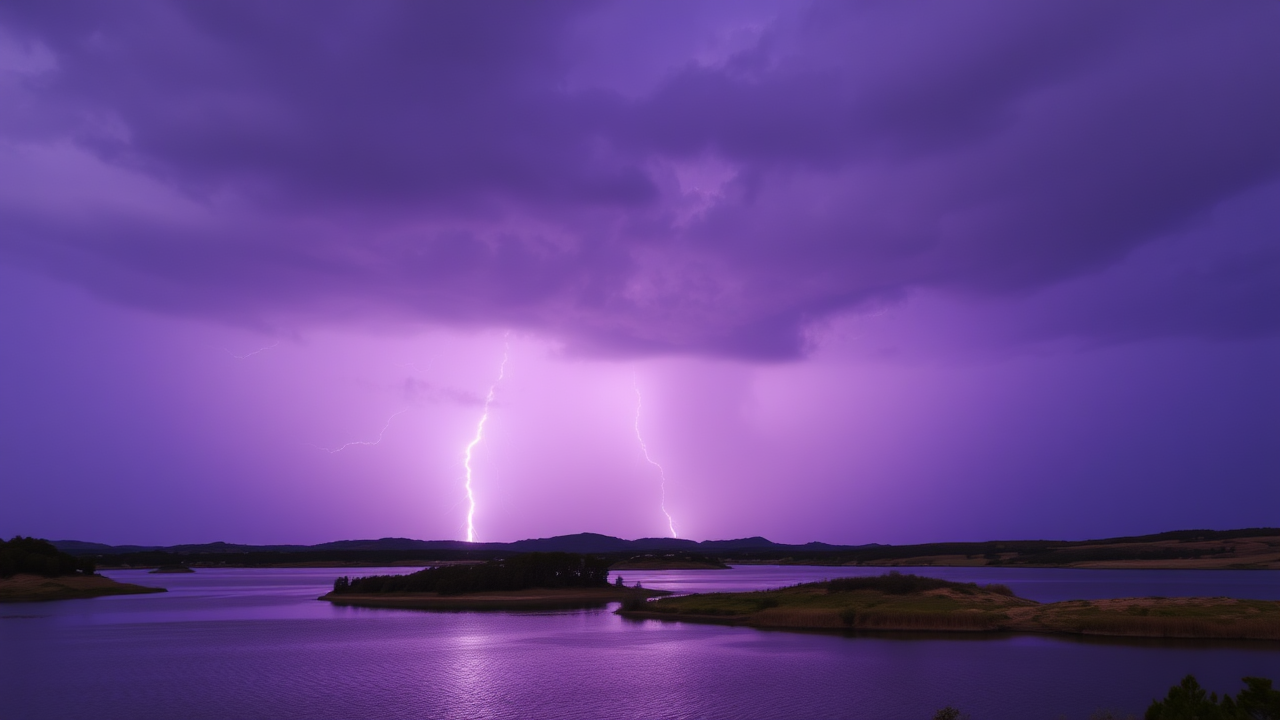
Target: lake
[{"x": 254, "y": 643}]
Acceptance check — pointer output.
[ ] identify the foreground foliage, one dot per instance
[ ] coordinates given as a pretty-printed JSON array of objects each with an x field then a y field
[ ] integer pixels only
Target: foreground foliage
[
  {"x": 521, "y": 572},
  {"x": 1188, "y": 701},
  {"x": 32, "y": 556}
]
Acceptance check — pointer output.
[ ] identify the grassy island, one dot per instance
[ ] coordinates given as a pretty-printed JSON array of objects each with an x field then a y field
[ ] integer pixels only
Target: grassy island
[
  {"x": 33, "y": 570},
  {"x": 909, "y": 602},
  {"x": 522, "y": 582}
]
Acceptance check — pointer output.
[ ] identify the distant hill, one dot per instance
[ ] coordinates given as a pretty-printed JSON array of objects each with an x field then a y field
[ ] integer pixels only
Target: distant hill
[
  {"x": 79, "y": 547},
  {"x": 1247, "y": 548},
  {"x": 579, "y": 543}
]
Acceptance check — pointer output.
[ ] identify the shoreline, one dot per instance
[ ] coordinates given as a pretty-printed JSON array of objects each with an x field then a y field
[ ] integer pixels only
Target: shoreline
[{"x": 661, "y": 565}]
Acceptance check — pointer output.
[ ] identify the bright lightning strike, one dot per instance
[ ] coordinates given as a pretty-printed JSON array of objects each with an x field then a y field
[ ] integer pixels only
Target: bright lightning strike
[
  {"x": 366, "y": 442},
  {"x": 488, "y": 400},
  {"x": 662, "y": 475}
]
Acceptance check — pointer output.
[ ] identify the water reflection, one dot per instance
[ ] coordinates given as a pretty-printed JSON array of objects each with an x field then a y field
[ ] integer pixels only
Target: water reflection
[{"x": 256, "y": 643}]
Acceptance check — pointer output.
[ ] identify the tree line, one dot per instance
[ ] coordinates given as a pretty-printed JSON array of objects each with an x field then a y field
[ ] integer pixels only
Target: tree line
[
  {"x": 254, "y": 558},
  {"x": 1188, "y": 701},
  {"x": 519, "y": 572},
  {"x": 33, "y": 556}
]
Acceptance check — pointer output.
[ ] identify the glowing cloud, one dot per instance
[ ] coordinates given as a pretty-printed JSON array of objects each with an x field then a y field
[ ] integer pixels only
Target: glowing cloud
[
  {"x": 662, "y": 475},
  {"x": 488, "y": 400}
]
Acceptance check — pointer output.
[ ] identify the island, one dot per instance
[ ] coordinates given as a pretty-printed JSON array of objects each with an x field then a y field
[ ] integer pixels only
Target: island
[
  {"x": 530, "y": 581},
  {"x": 912, "y": 603},
  {"x": 33, "y": 570}
]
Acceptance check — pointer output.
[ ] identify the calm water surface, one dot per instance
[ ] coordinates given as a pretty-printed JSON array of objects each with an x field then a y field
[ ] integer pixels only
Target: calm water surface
[{"x": 242, "y": 643}]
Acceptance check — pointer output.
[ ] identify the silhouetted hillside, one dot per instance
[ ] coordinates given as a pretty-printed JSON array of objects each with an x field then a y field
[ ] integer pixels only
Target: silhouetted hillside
[
  {"x": 579, "y": 543},
  {"x": 1249, "y": 547}
]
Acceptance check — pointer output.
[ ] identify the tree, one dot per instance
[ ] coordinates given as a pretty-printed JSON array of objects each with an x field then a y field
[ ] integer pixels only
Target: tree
[{"x": 1188, "y": 701}]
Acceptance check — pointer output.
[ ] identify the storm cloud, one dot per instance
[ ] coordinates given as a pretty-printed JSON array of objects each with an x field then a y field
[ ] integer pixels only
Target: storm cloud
[{"x": 718, "y": 182}]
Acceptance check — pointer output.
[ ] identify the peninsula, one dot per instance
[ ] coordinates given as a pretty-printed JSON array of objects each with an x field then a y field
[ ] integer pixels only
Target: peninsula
[
  {"x": 32, "y": 570},
  {"x": 912, "y": 603}
]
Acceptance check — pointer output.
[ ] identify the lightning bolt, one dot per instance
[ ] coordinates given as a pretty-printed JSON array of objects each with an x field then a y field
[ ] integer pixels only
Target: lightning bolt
[
  {"x": 255, "y": 352},
  {"x": 662, "y": 475},
  {"x": 488, "y": 400},
  {"x": 365, "y": 442}
]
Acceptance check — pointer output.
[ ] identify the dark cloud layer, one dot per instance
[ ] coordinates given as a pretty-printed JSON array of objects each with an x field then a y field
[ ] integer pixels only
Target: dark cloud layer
[{"x": 501, "y": 164}]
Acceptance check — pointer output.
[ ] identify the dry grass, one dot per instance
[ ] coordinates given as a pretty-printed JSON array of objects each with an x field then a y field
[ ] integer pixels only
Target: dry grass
[
  {"x": 815, "y": 618},
  {"x": 1156, "y": 617},
  {"x": 963, "y": 620},
  {"x": 833, "y": 619},
  {"x": 34, "y": 588},
  {"x": 1177, "y": 627},
  {"x": 969, "y": 608}
]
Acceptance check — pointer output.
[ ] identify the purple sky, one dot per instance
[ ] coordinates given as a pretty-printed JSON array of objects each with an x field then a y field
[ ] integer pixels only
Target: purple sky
[{"x": 883, "y": 272}]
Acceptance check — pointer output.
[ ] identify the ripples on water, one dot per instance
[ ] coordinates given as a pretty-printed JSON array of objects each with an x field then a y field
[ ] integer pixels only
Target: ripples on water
[{"x": 241, "y": 643}]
